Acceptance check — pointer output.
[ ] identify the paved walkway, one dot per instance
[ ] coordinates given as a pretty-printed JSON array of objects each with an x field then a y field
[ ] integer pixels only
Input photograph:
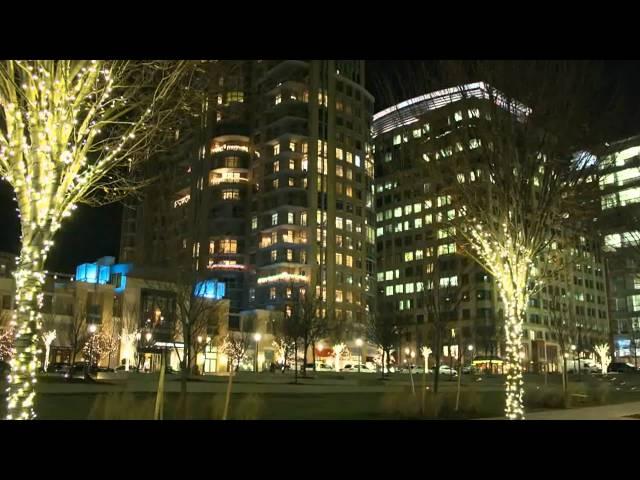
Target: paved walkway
[{"x": 619, "y": 411}]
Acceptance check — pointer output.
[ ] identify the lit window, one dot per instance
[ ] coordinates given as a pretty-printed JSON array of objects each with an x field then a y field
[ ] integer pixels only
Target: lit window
[
  {"x": 339, "y": 154},
  {"x": 291, "y": 182},
  {"x": 428, "y": 219},
  {"x": 388, "y": 157},
  {"x": 449, "y": 281},
  {"x": 397, "y": 139},
  {"x": 339, "y": 223},
  {"x": 417, "y": 223},
  {"x": 339, "y": 171},
  {"x": 379, "y": 232},
  {"x": 388, "y": 291},
  {"x": 444, "y": 200},
  {"x": 419, "y": 254},
  {"x": 349, "y": 191},
  {"x": 397, "y": 212},
  {"x": 473, "y": 113},
  {"x": 388, "y": 275},
  {"x": 289, "y": 255},
  {"x": 230, "y": 194},
  {"x": 348, "y": 260},
  {"x": 278, "y": 99},
  {"x": 275, "y": 183},
  {"x": 399, "y": 288},
  {"x": 474, "y": 143},
  {"x": 272, "y": 293},
  {"x": 235, "y": 97},
  {"x": 338, "y": 259},
  {"x": 228, "y": 246},
  {"x": 408, "y": 287},
  {"x": 408, "y": 256},
  {"x": 349, "y": 225},
  {"x": 276, "y": 149},
  {"x": 417, "y": 133},
  {"x": 338, "y": 295},
  {"x": 289, "y": 292},
  {"x": 446, "y": 248},
  {"x": 290, "y": 218},
  {"x": 457, "y": 116},
  {"x": 357, "y": 162},
  {"x": 417, "y": 207},
  {"x": 274, "y": 219},
  {"x": 254, "y": 223},
  {"x": 380, "y": 276},
  {"x": 274, "y": 255},
  {"x": 349, "y": 157},
  {"x": 426, "y": 157}
]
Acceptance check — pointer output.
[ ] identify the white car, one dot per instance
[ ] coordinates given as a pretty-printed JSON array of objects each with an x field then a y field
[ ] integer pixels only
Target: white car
[
  {"x": 323, "y": 367},
  {"x": 415, "y": 370},
  {"x": 447, "y": 370},
  {"x": 354, "y": 368}
]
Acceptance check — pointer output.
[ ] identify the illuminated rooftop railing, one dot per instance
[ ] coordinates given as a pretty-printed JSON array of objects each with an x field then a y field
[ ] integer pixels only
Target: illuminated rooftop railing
[{"x": 408, "y": 111}]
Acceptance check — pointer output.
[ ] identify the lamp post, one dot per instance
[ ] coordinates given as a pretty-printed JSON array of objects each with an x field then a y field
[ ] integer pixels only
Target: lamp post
[
  {"x": 92, "y": 330},
  {"x": 147, "y": 337},
  {"x": 199, "y": 339},
  {"x": 257, "y": 337},
  {"x": 359, "y": 344},
  {"x": 411, "y": 354}
]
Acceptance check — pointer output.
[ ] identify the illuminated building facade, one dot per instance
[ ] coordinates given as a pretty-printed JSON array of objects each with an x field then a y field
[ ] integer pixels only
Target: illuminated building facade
[
  {"x": 415, "y": 247},
  {"x": 286, "y": 188},
  {"x": 620, "y": 210}
]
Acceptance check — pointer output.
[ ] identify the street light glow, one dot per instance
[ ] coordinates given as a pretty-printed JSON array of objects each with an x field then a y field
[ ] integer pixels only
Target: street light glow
[
  {"x": 359, "y": 342},
  {"x": 148, "y": 336},
  {"x": 257, "y": 337},
  {"x": 92, "y": 328}
]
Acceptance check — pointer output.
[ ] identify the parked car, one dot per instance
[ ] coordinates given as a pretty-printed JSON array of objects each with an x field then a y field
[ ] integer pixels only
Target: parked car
[
  {"x": 621, "y": 367},
  {"x": 468, "y": 369},
  {"x": 58, "y": 368},
  {"x": 323, "y": 367},
  {"x": 121, "y": 368},
  {"x": 447, "y": 370},
  {"x": 586, "y": 366},
  {"x": 415, "y": 370},
  {"x": 77, "y": 372},
  {"x": 354, "y": 367}
]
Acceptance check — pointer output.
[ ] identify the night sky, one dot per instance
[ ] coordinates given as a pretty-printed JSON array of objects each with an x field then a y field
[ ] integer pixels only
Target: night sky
[{"x": 95, "y": 232}]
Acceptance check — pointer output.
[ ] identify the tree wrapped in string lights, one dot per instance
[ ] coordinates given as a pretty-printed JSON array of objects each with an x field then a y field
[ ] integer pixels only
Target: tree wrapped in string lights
[
  {"x": 7, "y": 339},
  {"x": 47, "y": 338},
  {"x": 602, "y": 351},
  {"x": 98, "y": 346},
  {"x": 73, "y": 132}
]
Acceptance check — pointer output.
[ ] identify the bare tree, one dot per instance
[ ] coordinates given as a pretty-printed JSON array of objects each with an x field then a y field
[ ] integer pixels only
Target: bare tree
[
  {"x": 383, "y": 332},
  {"x": 76, "y": 330},
  {"x": 441, "y": 297},
  {"x": 562, "y": 323},
  {"x": 311, "y": 324}
]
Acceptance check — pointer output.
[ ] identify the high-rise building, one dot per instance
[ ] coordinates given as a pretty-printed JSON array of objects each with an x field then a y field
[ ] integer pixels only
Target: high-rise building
[
  {"x": 416, "y": 249},
  {"x": 620, "y": 207},
  {"x": 285, "y": 180}
]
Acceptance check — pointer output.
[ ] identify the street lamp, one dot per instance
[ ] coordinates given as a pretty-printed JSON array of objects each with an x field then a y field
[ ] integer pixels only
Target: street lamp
[
  {"x": 256, "y": 337},
  {"x": 359, "y": 344},
  {"x": 92, "y": 330}
]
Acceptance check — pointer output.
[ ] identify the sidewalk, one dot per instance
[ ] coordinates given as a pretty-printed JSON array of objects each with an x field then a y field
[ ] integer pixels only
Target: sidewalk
[{"x": 619, "y": 411}]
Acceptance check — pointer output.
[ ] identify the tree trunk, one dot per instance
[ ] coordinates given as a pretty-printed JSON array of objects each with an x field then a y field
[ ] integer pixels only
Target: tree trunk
[
  {"x": 159, "y": 407},
  {"x": 29, "y": 282},
  {"x": 313, "y": 352},
  {"x": 514, "y": 408},
  {"x": 436, "y": 373},
  {"x": 295, "y": 362},
  {"x": 304, "y": 354},
  {"x": 228, "y": 395}
]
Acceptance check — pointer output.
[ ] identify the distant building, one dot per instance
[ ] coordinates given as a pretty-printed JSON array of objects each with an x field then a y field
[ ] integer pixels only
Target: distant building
[
  {"x": 411, "y": 140},
  {"x": 618, "y": 223}
]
